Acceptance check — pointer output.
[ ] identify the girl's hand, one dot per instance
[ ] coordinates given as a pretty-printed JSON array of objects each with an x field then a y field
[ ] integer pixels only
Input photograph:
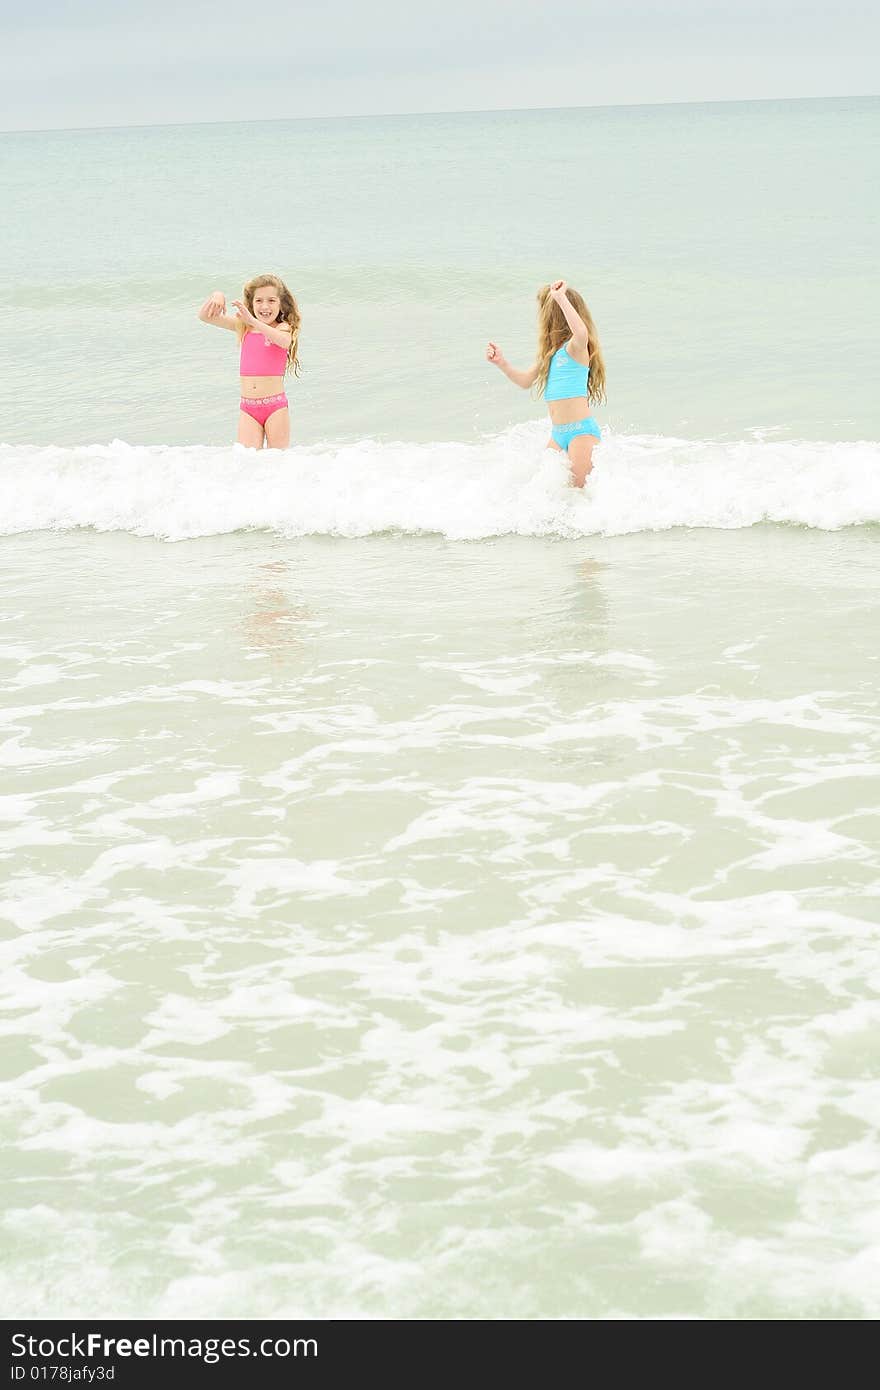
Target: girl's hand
[
  {"x": 245, "y": 314},
  {"x": 557, "y": 289},
  {"x": 214, "y": 306},
  {"x": 494, "y": 354}
]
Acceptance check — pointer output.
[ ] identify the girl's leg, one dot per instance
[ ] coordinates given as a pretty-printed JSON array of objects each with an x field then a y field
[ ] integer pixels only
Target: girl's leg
[
  {"x": 250, "y": 431},
  {"x": 580, "y": 457},
  {"x": 278, "y": 429}
]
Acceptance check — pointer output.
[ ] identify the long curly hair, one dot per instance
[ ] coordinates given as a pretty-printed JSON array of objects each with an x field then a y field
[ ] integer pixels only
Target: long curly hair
[
  {"x": 288, "y": 313},
  {"x": 553, "y": 331}
]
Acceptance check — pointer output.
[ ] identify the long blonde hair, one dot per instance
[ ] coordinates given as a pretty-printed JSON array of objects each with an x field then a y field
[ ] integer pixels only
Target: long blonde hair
[
  {"x": 288, "y": 313},
  {"x": 553, "y": 331}
]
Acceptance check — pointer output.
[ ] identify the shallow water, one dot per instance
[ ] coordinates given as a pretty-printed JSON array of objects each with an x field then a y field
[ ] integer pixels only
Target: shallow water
[
  {"x": 427, "y": 890},
  {"x": 397, "y": 927},
  {"x": 727, "y": 251}
]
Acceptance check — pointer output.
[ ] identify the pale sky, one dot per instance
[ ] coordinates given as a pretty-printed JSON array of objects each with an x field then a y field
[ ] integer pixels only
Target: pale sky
[{"x": 74, "y": 63}]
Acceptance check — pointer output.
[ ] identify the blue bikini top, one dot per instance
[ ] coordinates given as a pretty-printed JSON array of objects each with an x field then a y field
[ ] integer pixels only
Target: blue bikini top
[{"x": 566, "y": 378}]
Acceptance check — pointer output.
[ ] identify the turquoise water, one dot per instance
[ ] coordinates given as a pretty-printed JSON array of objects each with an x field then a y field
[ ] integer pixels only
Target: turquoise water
[
  {"x": 727, "y": 252},
  {"x": 428, "y": 891}
]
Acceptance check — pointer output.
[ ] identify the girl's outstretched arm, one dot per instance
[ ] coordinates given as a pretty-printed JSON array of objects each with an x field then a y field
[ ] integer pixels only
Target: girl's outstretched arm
[
  {"x": 214, "y": 311},
  {"x": 524, "y": 379},
  {"x": 580, "y": 335}
]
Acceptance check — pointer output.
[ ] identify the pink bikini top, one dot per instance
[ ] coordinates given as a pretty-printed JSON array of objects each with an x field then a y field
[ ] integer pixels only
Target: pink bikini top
[{"x": 260, "y": 358}]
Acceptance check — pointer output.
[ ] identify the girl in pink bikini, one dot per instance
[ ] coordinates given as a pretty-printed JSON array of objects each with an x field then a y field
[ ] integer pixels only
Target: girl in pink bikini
[{"x": 267, "y": 324}]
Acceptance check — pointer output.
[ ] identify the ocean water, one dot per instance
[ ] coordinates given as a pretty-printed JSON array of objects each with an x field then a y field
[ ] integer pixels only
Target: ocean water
[{"x": 426, "y": 890}]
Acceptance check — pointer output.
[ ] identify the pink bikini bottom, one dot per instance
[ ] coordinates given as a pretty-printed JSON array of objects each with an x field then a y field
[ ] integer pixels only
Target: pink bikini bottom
[{"x": 262, "y": 407}]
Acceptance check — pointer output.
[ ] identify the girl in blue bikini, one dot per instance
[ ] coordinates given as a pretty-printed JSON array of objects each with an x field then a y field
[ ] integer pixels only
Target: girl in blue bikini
[{"x": 570, "y": 372}]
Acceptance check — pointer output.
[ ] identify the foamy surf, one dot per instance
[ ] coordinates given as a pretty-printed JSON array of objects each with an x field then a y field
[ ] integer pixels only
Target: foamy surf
[{"x": 504, "y": 485}]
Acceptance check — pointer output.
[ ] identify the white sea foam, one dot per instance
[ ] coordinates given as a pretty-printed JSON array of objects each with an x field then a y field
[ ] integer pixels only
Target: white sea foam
[{"x": 505, "y": 485}]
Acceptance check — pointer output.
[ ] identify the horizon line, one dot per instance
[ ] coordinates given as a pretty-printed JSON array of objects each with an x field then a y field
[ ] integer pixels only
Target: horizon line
[{"x": 458, "y": 111}]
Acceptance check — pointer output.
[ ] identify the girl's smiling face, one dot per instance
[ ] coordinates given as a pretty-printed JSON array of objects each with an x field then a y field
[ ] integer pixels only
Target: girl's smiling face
[{"x": 267, "y": 304}]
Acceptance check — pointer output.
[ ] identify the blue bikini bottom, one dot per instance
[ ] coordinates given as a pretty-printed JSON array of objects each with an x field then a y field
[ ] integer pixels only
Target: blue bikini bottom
[{"x": 564, "y": 434}]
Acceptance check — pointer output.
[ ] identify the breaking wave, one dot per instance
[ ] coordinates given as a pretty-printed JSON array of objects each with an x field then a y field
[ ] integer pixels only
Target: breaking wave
[{"x": 503, "y": 485}]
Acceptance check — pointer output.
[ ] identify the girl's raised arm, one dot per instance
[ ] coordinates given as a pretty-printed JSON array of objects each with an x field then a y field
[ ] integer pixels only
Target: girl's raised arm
[
  {"x": 524, "y": 379},
  {"x": 580, "y": 335},
  {"x": 214, "y": 311},
  {"x": 276, "y": 333}
]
